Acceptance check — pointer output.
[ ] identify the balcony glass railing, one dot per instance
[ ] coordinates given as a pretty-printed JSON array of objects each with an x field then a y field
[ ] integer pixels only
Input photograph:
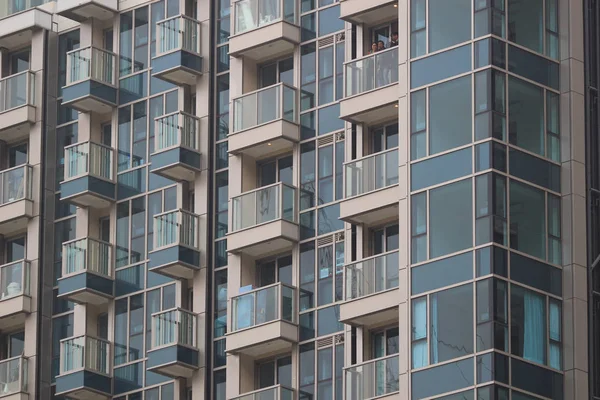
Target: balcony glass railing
[
  {"x": 178, "y": 227},
  {"x": 88, "y": 158},
  {"x": 271, "y": 393},
  {"x": 175, "y": 326},
  {"x": 372, "y": 378},
  {"x": 371, "y": 72},
  {"x": 15, "y": 184},
  {"x": 265, "y": 105},
  {"x": 13, "y": 376},
  {"x": 372, "y": 275},
  {"x": 252, "y": 14},
  {"x": 91, "y": 63},
  {"x": 84, "y": 352},
  {"x": 14, "y": 279},
  {"x": 262, "y": 305},
  {"x": 372, "y": 172},
  {"x": 9, "y": 7},
  {"x": 178, "y": 33},
  {"x": 266, "y": 204},
  {"x": 177, "y": 129},
  {"x": 87, "y": 255},
  {"x": 17, "y": 90}
]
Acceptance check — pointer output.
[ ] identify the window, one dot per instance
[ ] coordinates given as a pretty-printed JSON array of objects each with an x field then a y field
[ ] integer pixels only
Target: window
[
  {"x": 279, "y": 170},
  {"x": 274, "y": 372},
  {"x": 526, "y": 115},
  {"x": 272, "y": 271},
  {"x": 449, "y": 23},
  {"x": 281, "y": 71},
  {"x": 527, "y": 26},
  {"x": 384, "y": 344},
  {"x": 160, "y": 299},
  {"x": 15, "y": 249}
]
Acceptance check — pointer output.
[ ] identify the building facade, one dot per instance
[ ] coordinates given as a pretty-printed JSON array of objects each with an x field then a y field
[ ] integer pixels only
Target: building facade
[{"x": 299, "y": 199}]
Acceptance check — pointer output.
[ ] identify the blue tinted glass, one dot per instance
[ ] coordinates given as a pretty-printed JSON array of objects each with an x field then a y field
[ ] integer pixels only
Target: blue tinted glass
[
  {"x": 328, "y": 321},
  {"x": 449, "y": 23},
  {"x": 440, "y": 66},
  {"x": 158, "y": 86},
  {"x": 131, "y": 183},
  {"x": 128, "y": 378},
  {"x": 442, "y": 273},
  {"x": 537, "y": 380},
  {"x": 307, "y": 225},
  {"x": 329, "y": 219},
  {"x": 152, "y": 378},
  {"x": 535, "y": 170},
  {"x": 536, "y": 274},
  {"x": 441, "y": 169},
  {"x": 133, "y": 88},
  {"x": 129, "y": 280},
  {"x": 155, "y": 279},
  {"x": 329, "y": 21},
  {"x": 446, "y": 378},
  {"x": 534, "y": 67},
  {"x": 329, "y": 120}
]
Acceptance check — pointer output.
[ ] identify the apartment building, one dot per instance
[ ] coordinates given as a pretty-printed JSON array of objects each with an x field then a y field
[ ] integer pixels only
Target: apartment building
[{"x": 299, "y": 200}]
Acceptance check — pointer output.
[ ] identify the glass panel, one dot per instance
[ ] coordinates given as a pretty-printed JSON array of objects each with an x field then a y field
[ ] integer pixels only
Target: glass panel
[
  {"x": 174, "y": 326},
  {"x": 372, "y": 72},
  {"x": 15, "y": 184},
  {"x": 263, "y": 106},
  {"x": 371, "y": 173},
  {"x": 17, "y": 90},
  {"x": 88, "y": 158},
  {"x": 87, "y": 255},
  {"x": 372, "y": 379},
  {"x": 264, "y": 305},
  {"x": 176, "y": 33},
  {"x": 90, "y": 63},
  {"x": 449, "y": 23},
  {"x": 372, "y": 275},
  {"x": 527, "y": 219},
  {"x": 14, "y": 279},
  {"x": 252, "y": 14},
  {"x": 13, "y": 376},
  {"x": 177, "y": 227},
  {"x": 264, "y": 205},
  {"x": 84, "y": 352},
  {"x": 179, "y": 129}
]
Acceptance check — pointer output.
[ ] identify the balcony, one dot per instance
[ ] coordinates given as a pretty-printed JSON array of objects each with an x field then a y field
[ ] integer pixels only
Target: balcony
[
  {"x": 91, "y": 80},
  {"x": 174, "y": 351},
  {"x": 15, "y": 299},
  {"x": 176, "y": 146},
  {"x": 371, "y": 291},
  {"x": 81, "y": 10},
  {"x": 85, "y": 369},
  {"x": 371, "y": 88},
  {"x": 368, "y": 12},
  {"x": 88, "y": 175},
  {"x": 263, "y": 321},
  {"x": 277, "y": 392},
  {"x": 264, "y": 29},
  {"x": 178, "y": 59},
  {"x": 19, "y": 19},
  {"x": 16, "y": 201},
  {"x": 379, "y": 378},
  {"x": 13, "y": 378},
  {"x": 265, "y": 122},
  {"x": 264, "y": 221},
  {"x": 86, "y": 272},
  {"x": 176, "y": 244},
  {"x": 371, "y": 188},
  {"x": 17, "y": 106}
]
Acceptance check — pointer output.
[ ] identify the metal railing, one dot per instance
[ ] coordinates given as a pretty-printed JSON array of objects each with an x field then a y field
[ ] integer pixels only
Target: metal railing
[
  {"x": 277, "y": 392},
  {"x": 177, "y": 129},
  {"x": 371, "y": 72},
  {"x": 10, "y": 7},
  {"x": 372, "y": 378},
  {"x": 178, "y": 33},
  {"x": 13, "y": 376},
  {"x": 91, "y": 63},
  {"x": 372, "y": 172},
  {"x": 16, "y": 184},
  {"x": 262, "y": 305},
  {"x": 265, "y": 105},
  {"x": 174, "y": 326},
  {"x": 265, "y": 204},
  {"x": 88, "y": 158},
  {"x": 371, "y": 275},
  {"x": 84, "y": 352},
  {"x": 17, "y": 90},
  {"x": 177, "y": 227},
  {"x": 252, "y": 14},
  {"x": 15, "y": 279},
  {"x": 87, "y": 255}
]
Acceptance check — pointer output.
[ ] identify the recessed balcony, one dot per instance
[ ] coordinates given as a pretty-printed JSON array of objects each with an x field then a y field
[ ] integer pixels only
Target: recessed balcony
[
  {"x": 263, "y": 321},
  {"x": 17, "y": 106},
  {"x": 371, "y": 88},
  {"x": 174, "y": 351},
  {"x": 13, "y": 378},
  {"x": 88, "y": 175},
  {"x": 265, "y": 122},
  {"x": 264, "y": 221},
  {"x": 379, "y": 378},
  {"x": 371, "y": 291},
  {"x": 19, "y": 19},
  {"x": 176, "y": 244},
  {"x": 176, "y": 146},
  {"x": 264, "y": 29},
  {"x": 178, "y": 59},
  {"x": 371, "y": 12},
  {"x": 15, "y": 298},
  {"x": 85, "y": 368},
  {"x": 86, "y": 272},
  {"x": 16, "y": 201},
  {"x": 91, "y": 80},
  {"x": 371, "y": 188},
  {"x": 81, "y": 10}
]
